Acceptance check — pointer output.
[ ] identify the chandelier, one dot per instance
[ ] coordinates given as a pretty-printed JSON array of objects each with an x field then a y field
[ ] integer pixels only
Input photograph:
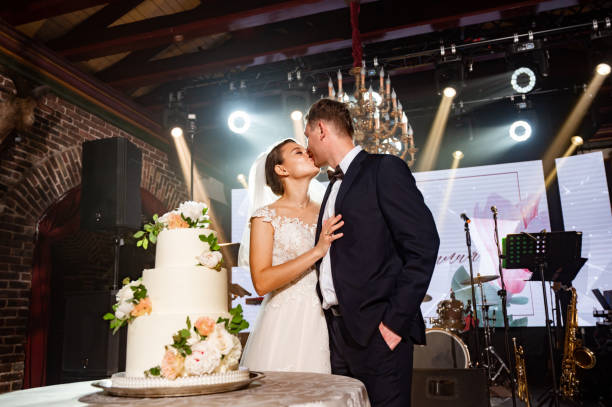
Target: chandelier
[{"x": 381, "y": 127}]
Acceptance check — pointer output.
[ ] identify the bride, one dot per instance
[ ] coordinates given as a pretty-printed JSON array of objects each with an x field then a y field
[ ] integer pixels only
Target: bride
[{"x": 290, "y": 332}]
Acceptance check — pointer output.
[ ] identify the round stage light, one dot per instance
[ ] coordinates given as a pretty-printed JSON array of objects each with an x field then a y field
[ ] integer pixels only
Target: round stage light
[
  {"x": 577, "y": 140},
  {"x": 520, "y": 130},
  {"x": 603, "y": 69},
  {"x": 239, "y": 122},
  {"x": 523, "y": 80},
  {"x": 458, "y": 155},
  {"x": 296, "y": 115},
  {"x": 450, "y": 92},
  {"x": 176, "y": 132}
]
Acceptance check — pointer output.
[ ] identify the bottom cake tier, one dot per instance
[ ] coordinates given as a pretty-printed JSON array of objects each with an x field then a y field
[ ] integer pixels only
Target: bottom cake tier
[{"x": 148, "y": 336}]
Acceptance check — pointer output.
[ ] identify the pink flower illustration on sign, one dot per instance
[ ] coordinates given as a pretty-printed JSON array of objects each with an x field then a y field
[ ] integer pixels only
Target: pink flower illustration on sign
[{"x": 512, "y": 218}]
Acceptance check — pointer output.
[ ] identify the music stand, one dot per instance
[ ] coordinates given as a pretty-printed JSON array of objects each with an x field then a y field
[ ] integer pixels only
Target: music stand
[{"x": 550, "y": 257}]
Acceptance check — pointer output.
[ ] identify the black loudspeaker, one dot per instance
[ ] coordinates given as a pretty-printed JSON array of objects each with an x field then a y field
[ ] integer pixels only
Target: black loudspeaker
[
  {"x": 90, "y": 350},
  {"x": 450, "y": 387},
  {"x": 110, "y": 186}
]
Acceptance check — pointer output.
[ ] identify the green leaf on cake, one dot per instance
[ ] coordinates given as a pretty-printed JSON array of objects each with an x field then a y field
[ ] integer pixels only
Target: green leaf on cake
[
  {"x": 237, "y": 323},
  {"x": 145, "y": 244},
  {"x": 139, "y": 243},
  {"x": 153, "y": 372},
  {"x": 108, "y": 316},
  {"x": 155, "y": 217},
  {"x": 139, "y": 234},
  {"x": 140, "y": 292},
  {"x": 153, "y": 237},
  {"x": 212, "y": 241}
]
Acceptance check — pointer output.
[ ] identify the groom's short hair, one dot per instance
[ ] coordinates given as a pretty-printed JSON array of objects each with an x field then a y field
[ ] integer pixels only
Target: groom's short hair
[{"x": 331, "y": 111}]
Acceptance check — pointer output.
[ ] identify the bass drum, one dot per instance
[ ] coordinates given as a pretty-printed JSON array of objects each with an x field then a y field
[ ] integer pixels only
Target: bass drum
[{"x": 444, "y": 350}]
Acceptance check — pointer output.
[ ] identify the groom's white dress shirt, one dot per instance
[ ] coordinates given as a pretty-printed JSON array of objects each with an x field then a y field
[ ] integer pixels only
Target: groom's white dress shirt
[{"x": 325, "y": 272}]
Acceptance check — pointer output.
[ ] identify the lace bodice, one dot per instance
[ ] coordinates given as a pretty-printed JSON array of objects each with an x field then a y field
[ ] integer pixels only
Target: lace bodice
[
  {"x": 292, "y": 237},
  {"x": 290, "y": 333}
]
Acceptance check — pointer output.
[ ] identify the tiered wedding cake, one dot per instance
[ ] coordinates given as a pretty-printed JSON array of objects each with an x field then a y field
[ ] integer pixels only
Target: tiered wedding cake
[{"x": 180, "y": 331}]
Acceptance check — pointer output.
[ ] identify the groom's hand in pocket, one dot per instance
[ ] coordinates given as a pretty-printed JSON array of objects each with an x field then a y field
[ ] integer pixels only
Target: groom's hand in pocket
[{"x": 390, "y": 337}]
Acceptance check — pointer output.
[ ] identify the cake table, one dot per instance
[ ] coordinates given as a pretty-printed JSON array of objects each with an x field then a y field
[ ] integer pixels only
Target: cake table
[{"x": 275, "y": 389}]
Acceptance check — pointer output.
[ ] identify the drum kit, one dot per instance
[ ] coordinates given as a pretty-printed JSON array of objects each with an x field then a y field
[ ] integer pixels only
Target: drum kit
[
  {"x": 446, "y": 340},
  {"x": 446, "y": 347}
]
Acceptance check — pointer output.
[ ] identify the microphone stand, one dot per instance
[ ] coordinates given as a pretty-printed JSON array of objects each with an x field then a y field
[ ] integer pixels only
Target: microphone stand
[
  {"x": 503, "y": 295},
  {"x": 474, "y": 322}
]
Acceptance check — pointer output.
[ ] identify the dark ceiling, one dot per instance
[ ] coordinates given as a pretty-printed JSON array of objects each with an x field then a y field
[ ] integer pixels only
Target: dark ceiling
[{"x": 148, "y": 49}]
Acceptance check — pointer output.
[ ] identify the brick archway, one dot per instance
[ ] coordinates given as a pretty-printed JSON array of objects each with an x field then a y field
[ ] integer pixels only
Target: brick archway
[{"x": 44, "y": 183}]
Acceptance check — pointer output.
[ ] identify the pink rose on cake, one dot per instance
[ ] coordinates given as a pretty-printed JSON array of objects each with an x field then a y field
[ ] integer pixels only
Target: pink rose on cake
[
  {"x": 142, "y": 308},
  {"x": 132, "y": 302},
  {"x": 172, "y": 364},
  {"x": 189, "y": 214},
  {"x": 205, "y": 326},
  {"x": 204, "y": 359},
  {"x": 176, "y": 222}
]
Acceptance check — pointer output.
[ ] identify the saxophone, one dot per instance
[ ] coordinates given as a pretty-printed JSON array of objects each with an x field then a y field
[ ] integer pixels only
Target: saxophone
[
  {"x": 574, "y": 354},
  {"x": 521, "y": 374}
]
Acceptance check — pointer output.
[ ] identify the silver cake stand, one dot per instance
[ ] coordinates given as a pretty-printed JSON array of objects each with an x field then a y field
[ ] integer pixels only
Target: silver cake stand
[{"x": 169, "y": 391}]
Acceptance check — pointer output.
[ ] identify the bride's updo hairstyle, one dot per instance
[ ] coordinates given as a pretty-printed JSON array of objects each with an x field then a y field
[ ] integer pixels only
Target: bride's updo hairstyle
[{"x": 272, "y": 160}]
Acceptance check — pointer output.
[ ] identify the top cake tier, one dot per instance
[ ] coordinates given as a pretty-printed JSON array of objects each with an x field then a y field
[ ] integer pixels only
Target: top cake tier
[{"x": 180, "y": 247}]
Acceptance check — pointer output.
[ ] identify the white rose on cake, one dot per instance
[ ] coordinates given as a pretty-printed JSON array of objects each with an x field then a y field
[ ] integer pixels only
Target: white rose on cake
[
  {"x": 231, "y": 360},
  {"x": 124, "y": 309},
  {"x": 193, "y": 210},
  {"x": 126, "y": 294},
  {"x": 221, "y": 339},
  {"x": 204, "y": 359},
  {"x": 210, "y": 259}
]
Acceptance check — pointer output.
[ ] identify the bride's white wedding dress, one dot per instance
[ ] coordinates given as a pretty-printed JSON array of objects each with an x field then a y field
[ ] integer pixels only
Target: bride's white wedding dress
[{"x": 290, "y": 332}]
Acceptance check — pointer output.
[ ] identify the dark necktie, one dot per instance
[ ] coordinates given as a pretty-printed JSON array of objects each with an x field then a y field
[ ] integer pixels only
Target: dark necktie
[{"x": 335, "y": 175}]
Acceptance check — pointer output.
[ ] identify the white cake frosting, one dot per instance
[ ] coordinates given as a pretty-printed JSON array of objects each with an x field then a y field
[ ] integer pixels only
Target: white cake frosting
[
  {"x": 177, "y": 288},
  {"x": 179, "y": 247}
]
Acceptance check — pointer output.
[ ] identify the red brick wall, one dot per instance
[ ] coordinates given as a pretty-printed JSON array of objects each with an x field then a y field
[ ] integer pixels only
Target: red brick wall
[{"x": 34, "y": 174}]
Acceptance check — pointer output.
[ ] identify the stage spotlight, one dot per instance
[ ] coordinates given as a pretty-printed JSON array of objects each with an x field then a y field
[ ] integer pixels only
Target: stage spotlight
[
  {"x": 520, "y": 130},
  {"x": 577, "y": 141},
  {"x": 296, "y": 115},
  {"x": 449, "y": 92},
  {"x": 603, "y": 69},
  {"x": 239, "y": 122},
  {"x": 458, "y": 155},
  {"x": 176, "y": 132},
  {"x": 523, "y": 80}
]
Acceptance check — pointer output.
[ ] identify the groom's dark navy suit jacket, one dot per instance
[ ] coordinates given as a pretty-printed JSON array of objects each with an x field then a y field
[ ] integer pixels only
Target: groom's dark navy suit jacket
[{"x": 383, "y": 264}]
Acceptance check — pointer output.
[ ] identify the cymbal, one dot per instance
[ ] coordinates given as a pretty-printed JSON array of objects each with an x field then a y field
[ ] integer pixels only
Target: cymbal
[
  {"x": 427, "y": 298},
  {"x": 480, "y": 279}
]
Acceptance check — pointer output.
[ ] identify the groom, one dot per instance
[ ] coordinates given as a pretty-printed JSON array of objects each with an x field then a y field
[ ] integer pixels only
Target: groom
[{"x": 373, "y": 279}]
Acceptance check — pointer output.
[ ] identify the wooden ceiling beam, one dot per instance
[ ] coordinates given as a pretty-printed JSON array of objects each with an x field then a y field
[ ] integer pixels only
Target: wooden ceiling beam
[
  {"x": 97, "y": 22},
  {"x": 313, "y": 35},
  {"x": 224, "y": 16},
  {"x": 23, "y": 12}
]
